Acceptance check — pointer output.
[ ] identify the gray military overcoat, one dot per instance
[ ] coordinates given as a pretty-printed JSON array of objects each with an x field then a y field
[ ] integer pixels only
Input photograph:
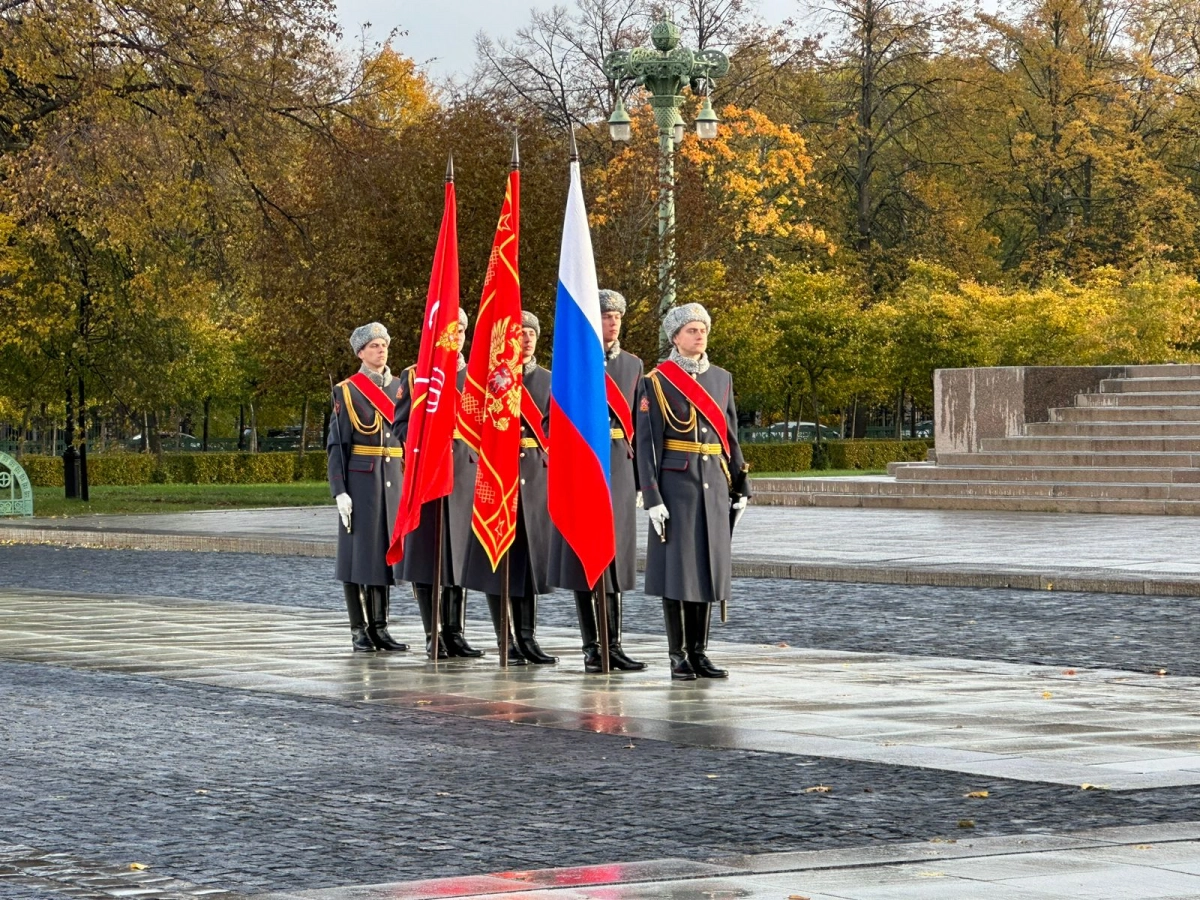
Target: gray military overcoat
[
  {"x": 694, "y": 563},
  {"x": 565, "y": 571},
  {"x": 419, "y": 562},
  {"x": 372, "y": 481},
  {"x": 529, "y": 556}
]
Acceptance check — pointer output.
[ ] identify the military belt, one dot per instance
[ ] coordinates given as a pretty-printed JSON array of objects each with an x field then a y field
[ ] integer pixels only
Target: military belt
[
  {"x": 389, "y": 452},
  {"x": 529, "y": 443},
  {"x": 618, "y": 434},
  {"x": 692, "y": 447}
]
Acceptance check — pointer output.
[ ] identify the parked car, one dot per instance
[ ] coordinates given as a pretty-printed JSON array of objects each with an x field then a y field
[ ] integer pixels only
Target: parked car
[
  {"x": 786, "y": 431},
  {"x": 170, "y": 440}
]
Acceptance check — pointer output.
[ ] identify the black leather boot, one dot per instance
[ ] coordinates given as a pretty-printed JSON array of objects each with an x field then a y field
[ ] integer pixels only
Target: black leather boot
[
  {"x": 616, "y": 655},
  {"x": 377, "y": 605},
  {"x": 454, "y": 623},
  {"x": 585, "y": 606},
  {"x": 525, "y": 627},
  {"x": 424, "y": 595},
  {"x": 514, "y": 654},
  {"x": 359, "y": 639},
  {"x": 681, "y": 669},
  {"x": 696, "y": 621}
]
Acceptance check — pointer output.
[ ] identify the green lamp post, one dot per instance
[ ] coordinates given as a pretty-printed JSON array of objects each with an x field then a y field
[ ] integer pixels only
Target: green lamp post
[{"x": 664, "y": 71}]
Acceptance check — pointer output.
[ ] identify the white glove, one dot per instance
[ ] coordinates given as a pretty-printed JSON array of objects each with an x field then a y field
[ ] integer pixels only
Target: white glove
[
  {"x": 740, "y": 503},
  {"x": 640, "y": 501},
  {"x": 345, "y": 506},
  {"x": 738, "y": 507},
  {"x": 658, "y": 517}
]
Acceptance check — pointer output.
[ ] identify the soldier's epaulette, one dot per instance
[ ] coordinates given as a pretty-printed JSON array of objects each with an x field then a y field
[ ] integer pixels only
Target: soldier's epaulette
[{"x": 343, "y": 382}]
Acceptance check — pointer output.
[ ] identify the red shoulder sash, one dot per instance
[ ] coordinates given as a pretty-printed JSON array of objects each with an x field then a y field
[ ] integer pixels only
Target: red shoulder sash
[
  {"x": 385, "y": 406},
  {"x": 619, "y": 404},
  {"x": 699, "y": 398},
  {"x": 532, "y": 414}
]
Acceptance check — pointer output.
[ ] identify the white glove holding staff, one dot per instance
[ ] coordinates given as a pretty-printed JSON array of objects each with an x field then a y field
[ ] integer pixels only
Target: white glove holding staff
[
  {"x": 738, "y": 507},
  {"x": 345, "y": 507},
  {"x": 658, "y": 517}
]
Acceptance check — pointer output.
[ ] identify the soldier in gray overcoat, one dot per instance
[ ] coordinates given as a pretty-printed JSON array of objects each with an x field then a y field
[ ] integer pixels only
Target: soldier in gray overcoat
[
  {"x": 626, "y": 372},
  {"x": 529, "y": 554},
  {"x": 694, "y": 483},
  {"x": 365, "y": 476},
  {"x": 420, "y": 552}
]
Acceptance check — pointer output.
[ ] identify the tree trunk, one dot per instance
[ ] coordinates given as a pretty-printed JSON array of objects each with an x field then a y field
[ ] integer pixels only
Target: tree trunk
[
  {"x": 787, "y": 415},
  {"x": 155, "y": 437},
  {"x": 26, "y": 417},
  {"x": 900, "y": 414},
  {"x": 145, "y": 431},
  {"x": 253, "y": 429},
  {"x": 303, "y": 425},
  {"x": 241, "y": 444},
  {"x": 204, "y": 434}
]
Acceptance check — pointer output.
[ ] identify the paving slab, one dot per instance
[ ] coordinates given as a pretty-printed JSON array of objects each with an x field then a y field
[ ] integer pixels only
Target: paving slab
[
  {"x": 1158, "y": 555},
  {"x": 971, "y": 716}
]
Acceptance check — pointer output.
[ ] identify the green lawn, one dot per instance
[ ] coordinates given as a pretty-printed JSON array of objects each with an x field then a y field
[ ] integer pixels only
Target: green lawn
[
  {"x": 159, "y": 498},
  {"x": 818, "y": 473}
]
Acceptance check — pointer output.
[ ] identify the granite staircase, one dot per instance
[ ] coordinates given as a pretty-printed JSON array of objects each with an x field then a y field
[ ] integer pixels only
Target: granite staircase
[{"x": 1131, "y": 447}]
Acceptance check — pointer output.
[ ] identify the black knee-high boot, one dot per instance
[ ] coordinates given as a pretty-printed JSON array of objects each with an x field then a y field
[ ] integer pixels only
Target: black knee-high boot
[
  {"x": 359, "y": 639},
  {"x": 697, "y": 617},
  {"x": 454, "y": 623},
  {"x": 616, "y": 654},
  {"x": 525, "y": 627},
  {"x": 377, "y": 605},
  {"x": 585, "y": 606},
  {"x": 424, "y": 595},
  {"x": 681, "y": 669},
  {"x": 514, "y": 654}
]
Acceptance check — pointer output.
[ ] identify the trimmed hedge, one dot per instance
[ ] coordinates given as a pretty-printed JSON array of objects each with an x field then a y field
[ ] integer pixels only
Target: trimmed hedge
[
  {"x": 793, "y": 456},
  {"x": 183, "y": 468},
  {"x": 862, "y": 454}
]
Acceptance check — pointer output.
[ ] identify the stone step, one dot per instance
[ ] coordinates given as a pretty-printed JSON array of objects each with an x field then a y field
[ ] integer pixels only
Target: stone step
[
  {"x": 1102, "y": 490},
  {"x": 1146, "y": 398},
  {"x": 1073, "y": 457},
  {"x": 1126, "y": 414},
  {"x": 1088, "y": 444},
  {"x": 1064, "y": 474},
  {"x": 1163, "y": 370},
  {"x": 1186, "y": 384},
  {"x": 1113, "y": 429},
  {"x": 1007, "y": 504}
]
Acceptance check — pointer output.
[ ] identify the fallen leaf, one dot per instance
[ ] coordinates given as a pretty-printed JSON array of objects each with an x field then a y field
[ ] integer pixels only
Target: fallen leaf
[
  {"x": 941, "y": 840},
  {"x": 783, "y": 644},
  {"x": 630, "y": 746},
  {"x": 1144, "y": 847},
  {"x": 1068, "y": 671},
  {"x": 1162, "y": 672},
  {"x": 1092, "y": 787},
  {"x": 137, "y": 867},
  {"x": 798, "y": 897},
  {"x": 966, "y": 823},
  {"x": 1046, "y": 695},
  {"x": 976, "y": 795},
  {"x": 818, "y": 789},
  {"x": 1049, "y": 585},
  {"x": 442, "y": 794},
  {"x": 201, "y": 791},
  {"x": 931, "y": 874},
  {"x": 712, "y": 776},
  {"x": 424, "y": 702}
]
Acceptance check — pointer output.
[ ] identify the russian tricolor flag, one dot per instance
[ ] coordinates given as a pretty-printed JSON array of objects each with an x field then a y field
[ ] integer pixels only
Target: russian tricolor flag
[{"x": 578, "y": 479}]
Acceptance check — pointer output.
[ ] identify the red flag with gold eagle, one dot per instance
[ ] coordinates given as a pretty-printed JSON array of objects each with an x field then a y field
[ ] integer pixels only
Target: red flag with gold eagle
[
  {"x": 428, "y": 464},
  {"x": 490, "y": 415}
]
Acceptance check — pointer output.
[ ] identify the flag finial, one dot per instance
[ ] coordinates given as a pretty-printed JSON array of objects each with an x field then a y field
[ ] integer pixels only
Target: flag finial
[
  {"x": 450, "y": 169},
  {"x": 574, "y": 148},
  {"x": 516, "y": 154}
]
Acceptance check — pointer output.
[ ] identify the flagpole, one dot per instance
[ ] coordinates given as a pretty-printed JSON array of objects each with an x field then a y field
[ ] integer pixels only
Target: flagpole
[
  {"x": 602, "y": 614},
  {"x": 504, "y": 611},
  {"x": 439, "y": 553}
]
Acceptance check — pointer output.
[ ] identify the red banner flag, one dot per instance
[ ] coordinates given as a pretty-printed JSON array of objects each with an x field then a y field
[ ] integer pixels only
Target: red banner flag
[
  {"x": 490, "y": 418},
  {"x": 428, "y": 464}
]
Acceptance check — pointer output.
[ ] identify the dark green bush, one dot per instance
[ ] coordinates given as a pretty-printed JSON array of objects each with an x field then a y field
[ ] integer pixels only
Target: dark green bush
[
  {"x": 183, "y": 468},
  {"x": 778, "y": 457},
  {"x": 859, "y": 454}
]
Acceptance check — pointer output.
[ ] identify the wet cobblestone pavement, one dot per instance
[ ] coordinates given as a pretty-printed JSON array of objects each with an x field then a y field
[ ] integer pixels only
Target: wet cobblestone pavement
[
  {"x": 1137, "y": 633},
  {"x": 228, "y": 788}
]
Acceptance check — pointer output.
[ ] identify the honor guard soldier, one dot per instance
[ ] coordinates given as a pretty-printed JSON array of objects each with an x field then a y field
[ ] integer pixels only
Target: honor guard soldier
[
  {"x": 694, "y": 482},
  {"x": 528, "y": 557},
  {"x": 420, "y": 559},
  {"x": 365, "y": 476},
  {"x": 624, "y": 373}
]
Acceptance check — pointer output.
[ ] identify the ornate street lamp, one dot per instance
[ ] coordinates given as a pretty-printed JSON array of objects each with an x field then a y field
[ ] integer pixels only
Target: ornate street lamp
[{"x": 664, "y": 71}]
